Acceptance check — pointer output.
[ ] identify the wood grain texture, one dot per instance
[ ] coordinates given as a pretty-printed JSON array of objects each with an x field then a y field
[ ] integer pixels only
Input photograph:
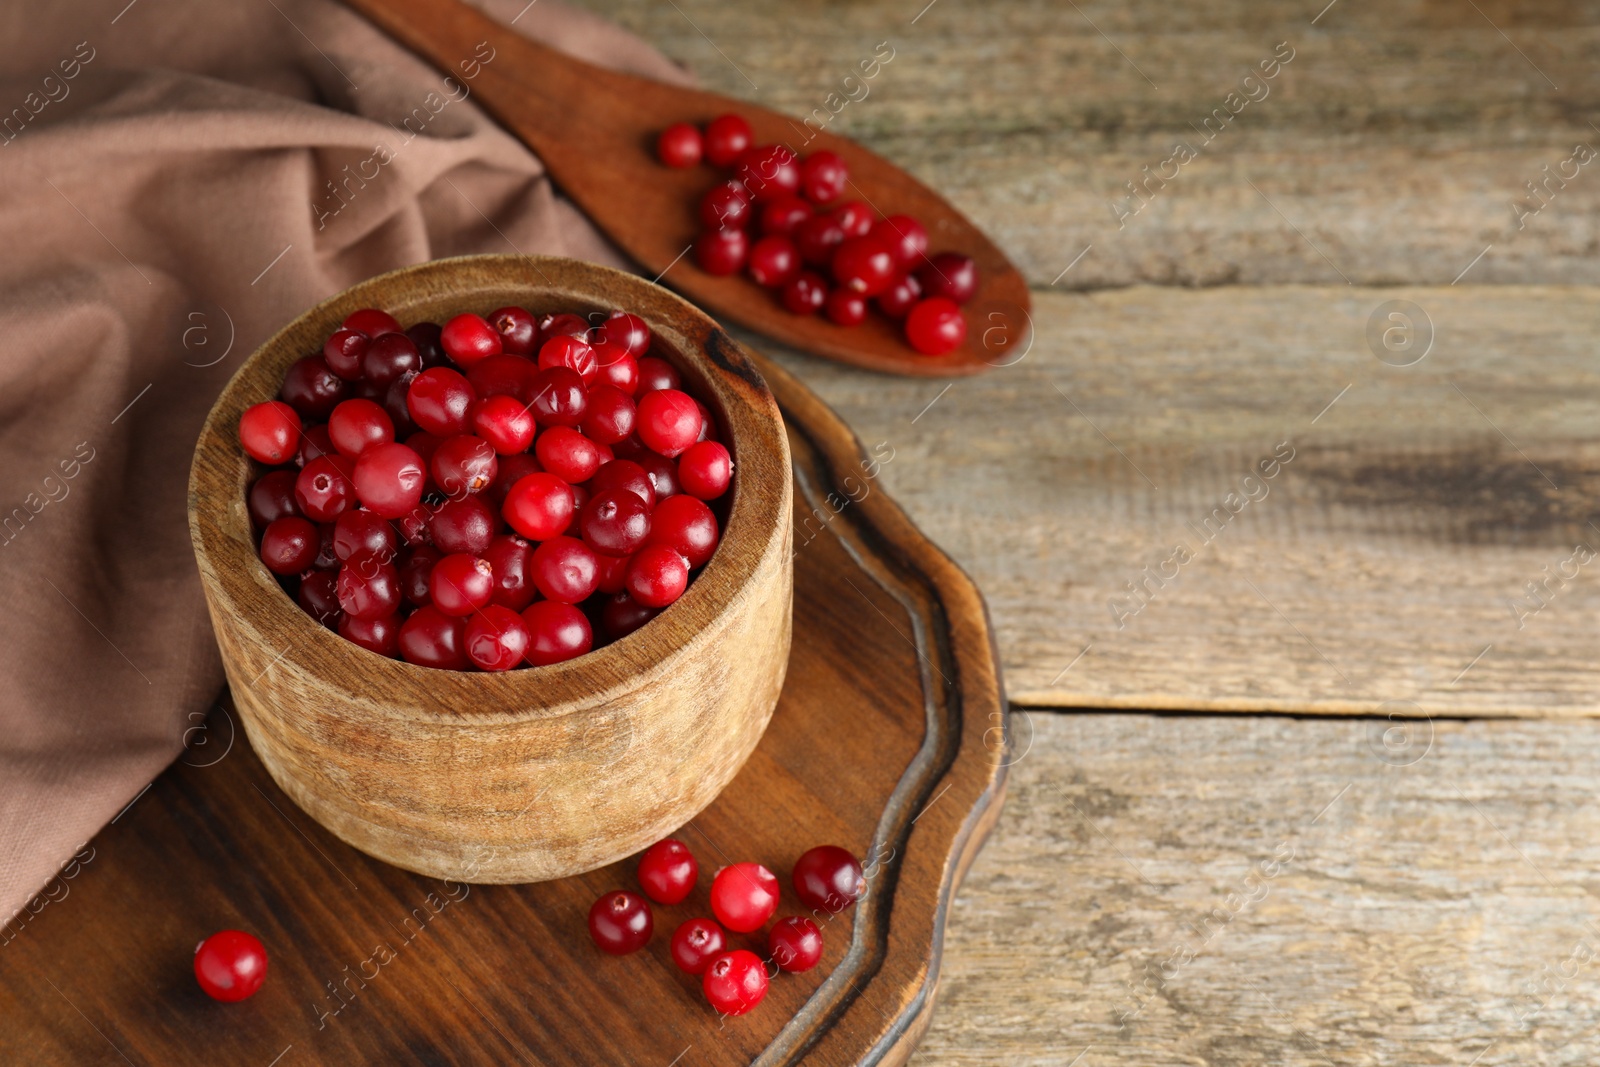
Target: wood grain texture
[
  {"x": 1390, "y": 150},
  {"x": 1433, "y": 903}
]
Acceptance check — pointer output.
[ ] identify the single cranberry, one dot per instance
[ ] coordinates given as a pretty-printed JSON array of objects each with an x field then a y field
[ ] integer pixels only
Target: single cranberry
[
  {"x": 621, "y": 615},
  {"x": 573, "y": 353},
  {"x": 518, "y": 330},
  {"x": 769, "y": 172},
  {"x": 463, "y": 525},
  {"x": 270, "y": 432},
  {"x": 562, "y": 324},
  {"x": 389, "y": 478},
  {"x": 721, "y": 252},
  {"x": 773, "y": 261},
  {"x": 539, "y": 506},
  {"x": 623, "y": 332},
  {"x": 727, "y": 137},
  {"x": 511, "y": 559},
  {"x": 805, "y": 294},
  {"x": 390, "y": 358},
  {"x": 327, "y": 559},
  {"x": 394, "y": 405},
  {"x": 936, "y": 326},
  {"x": 463, "y": 464},
  {"x": 656, "y": 373},
  {"x": 505, "y": 422},
  {"x": 615, "y": 522},
  {"x": 289, "y": 545},
  {"x": 828, "y": 878},
  {"x": 271, "y": 497},
  {"x": 865, "y": 265},
  {"x": 744, "y": 896},
  {"x": 900, "y": 297},
  {"x": 823, "y": 176},
  {"x": 657, "y": 576},
  {"x": 781, "y": 216},
  {"x": 319, "y": 597},
  {"x": 613, "y": 573},
  {"x": 906, "y": 237},
  {"x": 726, "y": 207},
  {"x": 360, "y": 532},
  {"x": 503, "y": 375},
  {"x": 662, "y": 472},
  {"x": 312, "y": 389},
  {"x": 621, "y": 374},
  {"x": 324, "y": 490},
  {"x": 230, "y": 965},
  {"x": 430, "y": 638},
  {"x": 380, "y": 635},
  {"x": 414, "y": 525},
  {"x": 342, "y": 351},
  {"x": 415, "y": 567},
  {"x": 669, "y": 421},
  {"x": 369, "y": 587},
  {"x": 620, "y": 923},
  {"x": 496, "y": 638},
  {"x": 558, "y": 398},
  {"x": 425, "y": 444},
  {"x": 611, "y": 415},
  {"x": 556, "y": 632},
  {"x": 667, "y": 872},
  {"x": 708, "y": 430},
  {"x": 705, "y": 470},
  {"x": 855, "y": 218},
  {"x": 686, "y": 525},
  {"x": 816, "y": 238},
  {"x": 566, "y": 570},
  {"x": 461, "y": 584},
  {"x": 355, "y": 425},
  {"x": 696, "y": 943},
  {"x": 372, "y": 322},
  {"x": 795, "y": 944},
  {"x": 440, "y": 400},
  {"x": 512, "y": 470},
  {"x": 568, "y": 454},
  {"x": 845, "y": 308},
  {"x": 950, "y": 275},
  {"x": 679, "y": 145},
  {"x": 468, "y": 339},
  {"x": 314, "y": 442},
  {"x": 735, "y": 982},
  {"x": 425, "y": 335}
]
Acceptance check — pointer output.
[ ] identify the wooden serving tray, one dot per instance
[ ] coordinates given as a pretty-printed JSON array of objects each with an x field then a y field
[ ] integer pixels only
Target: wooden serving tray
[{"x": 889, "y": 740}]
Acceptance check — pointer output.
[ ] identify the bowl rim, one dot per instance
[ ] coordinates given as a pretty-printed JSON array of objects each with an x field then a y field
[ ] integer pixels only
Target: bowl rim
[{"x": 715, "y": 366}]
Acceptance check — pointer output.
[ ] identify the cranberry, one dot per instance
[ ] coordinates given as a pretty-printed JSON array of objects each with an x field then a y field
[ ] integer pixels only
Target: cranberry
[
  {"x": 414, "y": 525},
  {"x": 270, "y": 432},
  {"x": 795, "y": 944},
  {"x": 415, "y": 568},
  {"x": 657, "y": 576},
  {"x": 380, "y": 635},
  {"x": 667, "y": 872},
  {"x": 511, "y": 559},
  {"x": 556, "y": 632},
  {"x": 906, "y": 237},
  {"x": 656, "y": 374},
  {"x": 721, "y": 252},
  {"x": 327, "y": 559},
  {"x": 696, "y": 943},
  {"x": 311, "y": 388},
  {"x": 564, "y": 324},
  {"x": 539, "y": 506},
  {"x": 865, "y": 265},
  {"x": 424, "y": 444},
  {"x": 823, "y": 177},
  {"x": 621, "y": 615},
  {"x": 314, "y": 442},
  {"x": 726, "y": 207},
  {"x": 669, "y": 421},
  {"x": 662, "y": 472},
  {"x": 845, "y": 308},
  {"x": 517, "y": 328},
  {"x": 504, "y": 422},
  {"x": 503, "y": 375},
  {"x": 679, "y": 145},
  {"x": 342, "y": 351},
  {"x": 289, "y": 545},
  {"x": 573, "y": 353},
  {"x": 705, "y": 470},
  {"x": 512, "y": 470},
  {"x": 727, "y": 137},
  {"x": 324, "y": 490},
  {"x": 425, "y": 335},
  {"x": 625, "y": 474},
  {"x": 806, "y": 293},
  {"x": 735, "y": 982},
  {"x": 626, "y": 333},
  {"x": 900, "y": 297},
  {"x": 769, "y": 172},
  {"x": 355, "y": 425},
  {"x": 230, "y": 965},
  {"x": 468, "y": 339},
  {"x": 372, "y": 322},
  {"x": 744, "y": 896},
  {"x": 319, "y": 597},
  {"x": 611, "y": 415},
  {"x": 463, "y": 525},
  {"x": 430, "y": 638},
  {"x": 439, "y": 401},
  {"x": 828, "y": 878},
  {"x": 496, "y": 638},
  {"x": 394, "y": 405},
  {"x": 620, "y": 923},
  {"x": 855, "y": 218},
  {"x": 271, "y": 497},
  {"x": 613, "y": 574},
  {"x": 936, "y": 326},
  {"x": 460, "y": 584},
  {"x": 622, "y": 374},
  {"x": 389, "y": 479},
  {"x": 568, "y": 454},
  {"x": 558, "y": 397},
  {"x": 463, "y": 464},
  {"x": 781, "y": 216},
  {"x": 687, "y": 526},
  {"x": 773, "y": 261},
  {"x": 816, "y": 238},
  {"x": 615, "y": 522},
  {"x": 950, "y": 275},
  {"x": 565, "y": 570},
  {"x": 369, "y": 587},
  {"x": 363, "y": 533},
  {"x": 390, "y": 358}
]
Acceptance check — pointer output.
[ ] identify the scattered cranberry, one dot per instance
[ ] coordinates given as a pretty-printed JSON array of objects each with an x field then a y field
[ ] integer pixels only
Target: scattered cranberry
[
  {"x": 769, "y": 172},
  {"x": 727, "y": 137},
  {"x": 735, "y": 982},
  {"x": 363, "y": 532},
  {"x": 864, "y": 265},
  {"x": 667, "y": 872},
  {"x": 744, "y": 896},
  {"x": 823, "y": 177},
  {"x": 726, "y": 207},
  {"x": 816, "y": 238},
  {"x": 900, "y": 297},
  {"x": 620, "y": 923},
  {"x": 511, "y": 560},
  {"x": 781, "y": 216},
  {"x": 773, "y": 261},
  {"x": 611, "y": 414},
  {"x": 906, "y": 237},
  {"x": 270, "y": 432},
  {"x": 949, "y": 275},
  {"x": 463, "y": 464},
  {"x": 795, "y": 944},
  {"x": 230, "y": 965},
  {"x": 936, "y": 326},
  {"x": 828, "y": 878},
  {"x": 721, "y": 251},
  {"x": 679, "y": 145},
  {"x": 696, "y": 943},
  {"x": 558, "y": 397},
  {"x": 845, "y": 308},
  {"x": 806, "y": 293}
]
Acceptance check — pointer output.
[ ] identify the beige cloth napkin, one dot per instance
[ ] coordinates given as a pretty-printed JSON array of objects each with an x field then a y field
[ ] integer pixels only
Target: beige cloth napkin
[{"x": 165, "y": 205}]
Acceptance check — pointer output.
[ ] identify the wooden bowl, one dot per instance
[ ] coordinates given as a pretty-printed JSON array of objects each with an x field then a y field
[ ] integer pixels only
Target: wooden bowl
[{"x": 536, "y": 773}]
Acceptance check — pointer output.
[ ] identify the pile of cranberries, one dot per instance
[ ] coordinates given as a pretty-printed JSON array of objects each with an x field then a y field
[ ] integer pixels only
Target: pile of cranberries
[
  {"x": 779, "y": 218},
  {"x": 487, "y": 494},
  {"x": 744, "y": 896}
]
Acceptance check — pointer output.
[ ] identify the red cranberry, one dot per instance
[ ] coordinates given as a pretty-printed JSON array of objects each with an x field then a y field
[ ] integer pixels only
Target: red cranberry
[
  {"x": 744, "y": 896},
  {"x": 727, "y": 137},
  {"x": 389, "y": 479},
  {"x": 721, "y": 252},
  {"x": 565, "y": 570},
  {"x": 621, "y": 615},
  {"x": 563, "y": 324},
  {"x": 230, "y": 965},
  {"x": 463, "y": 464},
  {"x": 503, "y": 375},
  {"x": 323, "y": 489},
  {"x": 669, "y": 421},
  {"x": 511, "y": 559},
  {"x": 725, "y": 207},
  {"x": 496, "y": 638},
  {"x": 311, "y": 388},
  {"x": 380, "y": 635},
  {"x": 425, "y": 444},
  {"x": 900, "y": 297},
  {"x": 430, "y": 638},
  {"x": 363, "y": 532},
  {"x": 950, "y": 275},
  {"x": 679, "y": 145},
  {"x": 687, "y": 526},
  {"x": 512, "y": 470},
  {"x": 415, "y": 568},
  {"x": 314, "y": 442},
  {"x": 504, "y": 422},
  {"x": 517, "y": 328},
  {"x": 539, "y": 506},
  {"x": 823, "y": 177},
  {"x": 468, "y": 339},
  {"x": 369, "y": 587},
  {"x": 319, "y": 597},
  {"x": 795, "y": 944},
  {"x": 773, "y": 261},
  {"x": 735, "y": 982},
  {"x": 271, "y": 497},
  {"x": 662, "y": 472},
  {"x": 356, "y": 425},
  {"x": 573, "y": 353},
  {"x": 327, "y": 559},
  {"x": 611, "y": 415},
  {"x": 845, "y": 308},
  {"x": 865, "y": 265},
  {"x": 625, "y": 474},
  {"x": 816, "y": 238},
  {"x": 855, "y": 218},
  {"x": 769, "y": 172},
  {"x": 343, "y": 350},
  {"x": 289, "y": 545},
  {"x": 439, "y": 401},
  {"x": 781, "y": 216},
  {"x": 390, "y": 358},
  {"x": 656, "y": 374},
  {"x": 460, "y": 584},
  {"x": 705, "y": 470},
  {"x": 568, "y": 454},
  {"x": 696, "y": 943},
  {"x": 906, "y": 238},
  {"x": 657, "y": 576},
  {"x": 828, "y": 878},
  {"x": 936, "y": 326},
  {"x": 372, "y": 322},
  {"x": 806, "y": 293},
  {"x": 620, "y": 923},
  {"x": 613, "y": 572},
  {"x": 615, "y": 522},
  {"x": 557, "y": 632},
  {"x": 270, "y": 432},
  {"x": 394, "y": 405},
  {"x": 463, "y": 525},
  {"x": 626, "y": 333},
  {"x": 558, "y": 397},
  {"x": 667, "y": 871},
  {"x": 425, "y": 335}
]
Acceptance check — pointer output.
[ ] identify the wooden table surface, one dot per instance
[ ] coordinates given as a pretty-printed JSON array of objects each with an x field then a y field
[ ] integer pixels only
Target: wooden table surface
[{"x": 1193, "y": 887}]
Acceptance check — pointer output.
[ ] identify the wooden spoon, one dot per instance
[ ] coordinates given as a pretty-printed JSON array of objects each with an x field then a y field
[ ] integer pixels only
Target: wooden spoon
[{"x": 595, "y": 130}]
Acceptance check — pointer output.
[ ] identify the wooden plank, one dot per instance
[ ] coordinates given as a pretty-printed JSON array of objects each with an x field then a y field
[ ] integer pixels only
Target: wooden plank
[
  {"x": 1389, "y": 150},
  {"x": 1385, "y": 566},
  {"x": 1432, "y": 893}
]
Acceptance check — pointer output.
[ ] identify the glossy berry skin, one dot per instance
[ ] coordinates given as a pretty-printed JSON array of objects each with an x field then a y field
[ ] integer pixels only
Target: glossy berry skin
[
  {"x": 613, "y": 571},
  {"x": 503, "y": 375},
  {"x": 563, "y": 324},
  {"x": 621, "y": 615},
  {"x": 823, "y": 177},
  {"x": 950, "y": 275},
  {"x": 705, "y": 470},
  {"x": 271, "y": 497},
  {"x": 289, "y": 545},
  {"x": 727, "y": 137},
  {"x": 626, "y": 332},
  {"x": 679, "y": 146},
  {"x": 828, "y": 878},
  {"x": 625, "y": 474},
  {"x": 735, "y": 982},
  {"x": 505, "y": 422},
  {"x": 323, "y": 489},
  {"x": 415, "y": 567},
  {"x": 900, "y": 297},
  {"x": 667, "y": 873},
  {"x": 465, "y": 525},
  {"x": 769, "y": 172},
  {"x": 611, "y": 416},
  {"x": 782, "y": 215},
  {"x": 230, "y": 965},
  {"x": 461, "y": 584},
  {"x": 518, "y": 330},
  {"x": 380, "y": 635},
  {"x": 845, "y": 308},
  {"x": 864, "y": 265},
  {"x": 656, "y": 374},
  {"x": 389, "y": 478},
  {"x": 311, "y": 388},
  {"x": 270, "y": 432},
  {"x": 469, "y": 338},
  {"x": 856, "y": 218},
  {"x": 621, "y": 374},
  {"x": 540, "y": 506},
  {"x": 573, "y": 353},
  {"x": 511, "y": 559},
  {"x": 726, "y": 207},
  {"x": 496, "y": 638},
  {"x": 662, "y": 472},
  {"x": 669, "y": 421},
  {"x": 342, "y": 352},
  {"x": 357, "y": 425},
  {"x": 795, "y": 944},
  {"x": 557, "y": 632},
  {"x": 463, "y": 464},
  {"x": 696, "y": 943},
  {"x": 905, "y": 237},
  {"x": 369, "y": 588},
  {"x": 936, "y": 326},
  {"x": 615, "y": 522},
  {"x": 512, "y": 470},
  {"x": 314, "y": 442},
  {"x": 425, "y": 335},
  {"x": 744, "y": 896},
  {"x": 721, "y": 252},
  {"x": 389, "y": 358},
  {"x": 620, "y": 923},
  {"x": 557, "y": 397},
  {"x": 805, "y": 294},
  {"x": 773, "y": 261},
  {"x": 362, "y": 532},
  {"x": 687, "y": 526},
  {"x": 430, "y": 638},
  {"x": 816, "y": 238},
  {"x": 657, "y": 576},
  {"x": 372, "y": 322},
  {"x": 318, "y": 596},
  {"x": 565, "y": 570},
  {"x": 440, "y": 401},
  {"x": 568, "y": 454}
]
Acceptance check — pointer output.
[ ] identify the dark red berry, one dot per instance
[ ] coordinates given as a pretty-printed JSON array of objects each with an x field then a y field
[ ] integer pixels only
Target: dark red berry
[
  {"x": 726, "y": 207},
  {"x": 611, "y": 415},
  {"x": 512, "y": 470},
  {"x": 270, "y": 432},
  {"x": 503, "y": 375},
  {"x": 744, "y": 896},
  {"x": 950, "y": 275},
  {"x": 620, "y": 923},
  {"x": 906, "y": 237},
  {"x": 845, "y": 308},
  {"x": 539, "y": 506},
  {"x": 271, "y": 497},
  {"x": 865, "y": 265},
  {"x": 461, "y": 584},
  {"x": 816, "y": 238},
  {"x": 565, "y": 570},
  {"x": 855, "y": 218},
  {"x": 425, "y": 335},
  {"x": 312, "y": 389},
  {"x": 465, "y": 525},
  {"x": 769, "y": 172},
  {"x": 573, "y": 353},
  {"x": 314, "y": 442},
  {"x": 806, "y": 293},
  {"x": 415, "y": 567},
  {"x": 357, "y": 425},
  {"x": 721, "y": 252},
  {"x": 563, "y": 324},
  {"x": 625, "y": 474},
  {"x": 614, "y": 522},
  {"x": 389, "y": 478},
  {"x": 380, "y": 635},
  {"x": 505, "y": 422},
  {"x": 663, "y": 474},
  {"x": 656, "y": 374},
  {"x": 727, "y": 137},
  {"x": 773, "y": 261},
  {"x": 369, "y": 587},
  {"x": 430, "y": 638},
  {"x": 496, "y": 638},
  {"x": 556, "y": 632},
  {"x": 568, "y": 454},
  {"x": 705, "y": 470},
  {"x": 468, "y": 339},
  {"x": 361, "y": 532},
  {"x": 782, "y": 215},
  {"x": 679, "y": 145},
  {"x": 389, "y": 358},
  {"x": 795, "y": 944},
  {"x": 511, "y": 559},
  {"x": 343, "y": 351},
  {"x": 696, "y": 943},
  {"x": 289, "y": 545},
  {"x": 518, "y": 330},
  {"x": 657, "y": 576},
  {"x": 900, "y": 297},
  {"x": 440, "y": 401},
  {"x": 621, "y": 615},
  {"x": 626, "y": 333},
  {"x": 558, "y": 397},
  {"x": 463, "y": 464},
  {"x": 319, "y": 597},
  {"x": 230, "y": 965},
  {"x": 687, "y": 526},
  {"x": 936, "y": 326},
  {"x": 828, "y": 878},
  {"x": 621, "y": 374},
  {"x": 735, "y": 982},
  {"x": 372, "y": 322},
  {"x": 667, "y": 872},
  {"x": 823, "y": 176},
  {"x": 323, "y": 489}
]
